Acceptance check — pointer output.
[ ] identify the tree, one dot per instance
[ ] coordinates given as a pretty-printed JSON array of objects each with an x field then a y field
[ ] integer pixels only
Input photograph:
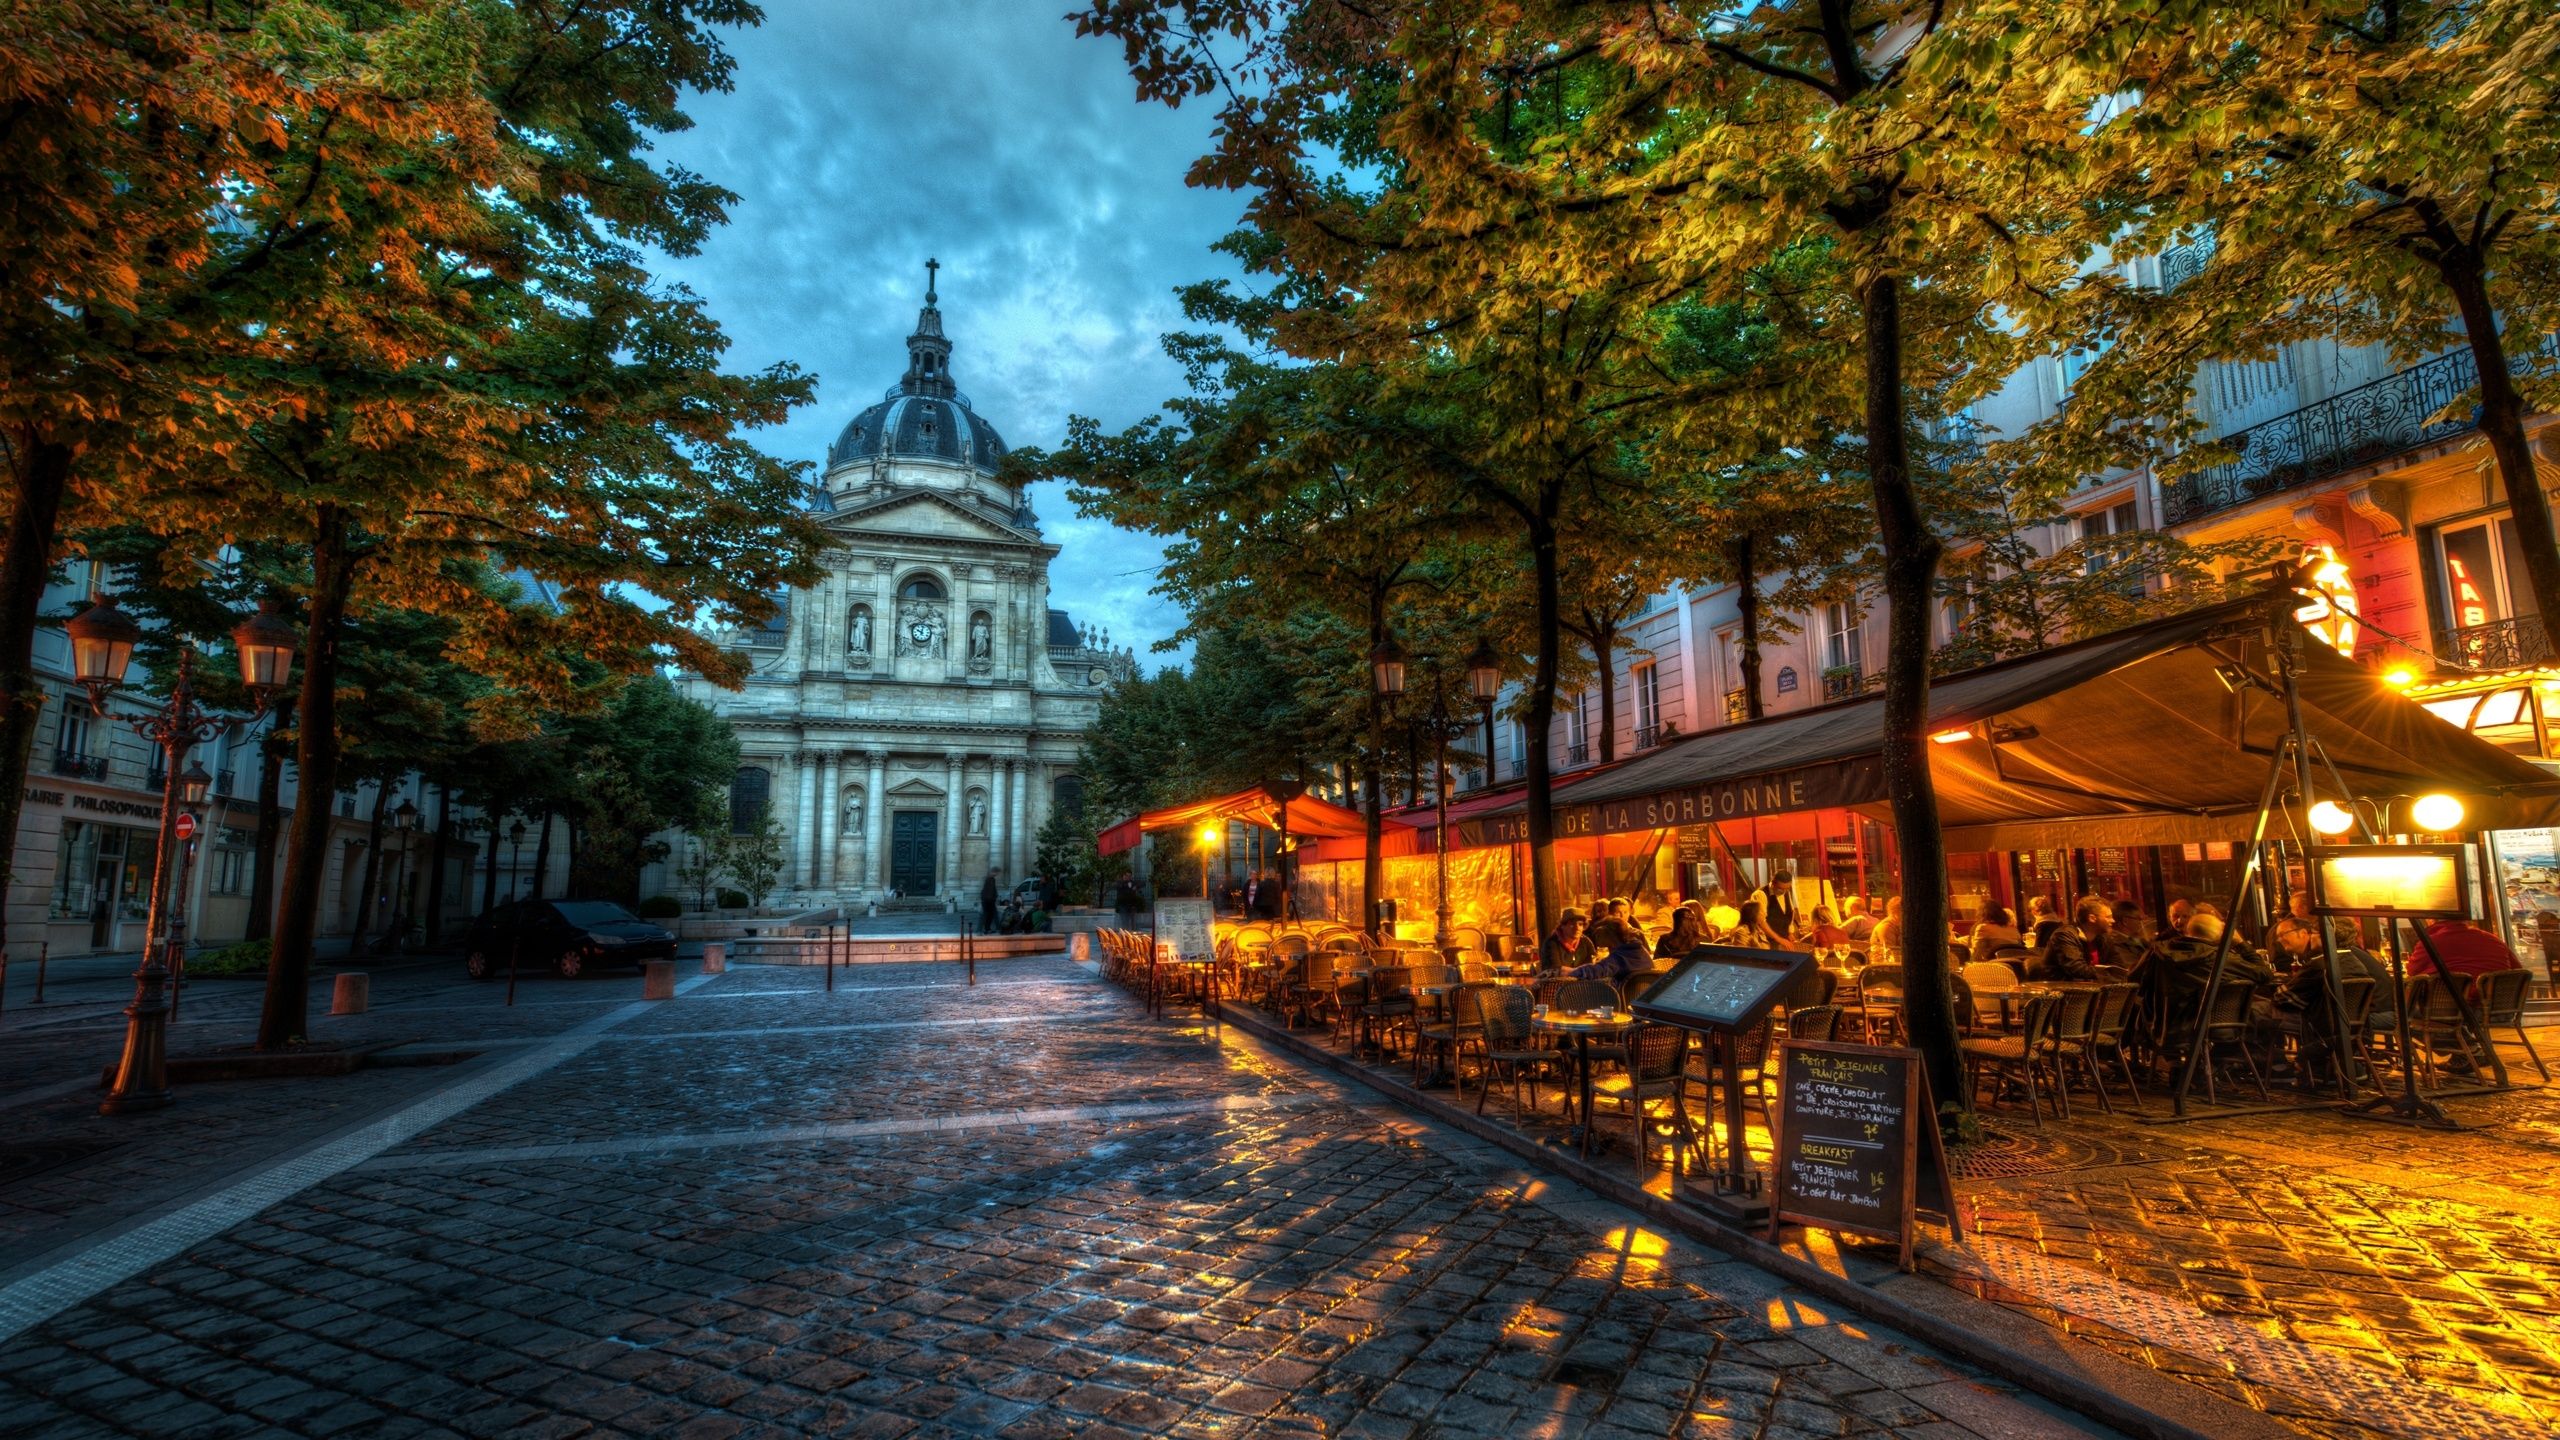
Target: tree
[
  {"x": 756, "y": 859},
  {"x": 1066, "y": 854},
  {"x": 706, "y": 846}
]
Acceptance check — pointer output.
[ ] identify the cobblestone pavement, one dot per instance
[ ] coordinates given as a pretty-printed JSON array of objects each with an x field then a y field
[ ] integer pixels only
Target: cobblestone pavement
[
  {"x": 916, "y": 1209},
  {"x": 2352, "y": 1278}
]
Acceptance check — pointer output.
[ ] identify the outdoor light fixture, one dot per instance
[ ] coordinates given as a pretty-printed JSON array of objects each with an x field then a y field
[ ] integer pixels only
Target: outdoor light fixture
[
  {"x": 516, "y": 832},
  {"x": 194, "y": 785},
  {"x": 1484, "y": 674},
  {"x": 266, "y": 645},
  {"x": 1386, "y": 668},
  {"x": 405, "y": 816},
  {"x": 2436, "y": 813},
  {"x": 2400, "y": 677},
  {"x": 1210, "y": 835},
  {"x": 1952, "y": 737},
  {"x": 102, "y": 641},
  {"x": 2331, "y": 818}
]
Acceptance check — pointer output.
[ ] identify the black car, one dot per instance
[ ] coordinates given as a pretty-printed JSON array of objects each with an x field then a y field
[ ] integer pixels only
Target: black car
[{"x": 570, "y": 936}]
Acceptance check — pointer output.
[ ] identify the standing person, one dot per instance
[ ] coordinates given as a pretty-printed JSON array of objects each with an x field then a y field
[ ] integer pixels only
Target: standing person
[
  {"x": 1888, "y": 932},
  {"x": 1778, "y": 902},
  {"x": 1126, "y": 902},
  {"x": 987, "y": 903}
]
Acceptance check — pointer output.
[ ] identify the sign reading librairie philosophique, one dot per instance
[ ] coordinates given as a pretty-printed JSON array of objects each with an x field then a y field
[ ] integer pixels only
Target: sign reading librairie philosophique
[
  {"x": 1857, "y": 1148},
  {"x": 1188, "y": 926}
]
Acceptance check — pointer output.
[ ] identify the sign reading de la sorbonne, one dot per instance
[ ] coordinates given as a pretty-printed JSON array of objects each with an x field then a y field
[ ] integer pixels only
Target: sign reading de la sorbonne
[{"x": 914, "y": 717}]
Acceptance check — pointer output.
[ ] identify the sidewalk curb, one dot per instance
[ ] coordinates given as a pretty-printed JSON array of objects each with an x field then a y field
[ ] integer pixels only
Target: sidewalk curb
[{"x": 2068, "y": 1372}]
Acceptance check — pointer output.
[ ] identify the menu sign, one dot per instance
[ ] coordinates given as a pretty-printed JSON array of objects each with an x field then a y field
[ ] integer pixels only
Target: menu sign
[
  {"x": 1857, "y": 1146},
  {"x": 1189, "y": 927},
  {"x": 1721, "y": 987}
]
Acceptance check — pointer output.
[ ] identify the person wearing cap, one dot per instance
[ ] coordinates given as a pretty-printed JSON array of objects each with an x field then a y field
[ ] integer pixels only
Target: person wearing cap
[{"x": 1569, "y": 946}]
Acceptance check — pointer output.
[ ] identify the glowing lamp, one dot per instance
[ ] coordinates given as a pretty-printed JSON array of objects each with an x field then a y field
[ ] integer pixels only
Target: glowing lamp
[
  {"x": 1952, "y": 737},
  {"x": 2400, "y": 677},
  {"x": 2436, "y": 813},
  {"x": 2331, "y": 818},
  {"x": 1210, "y": 835},
  {"x": 102, "y": 641}
]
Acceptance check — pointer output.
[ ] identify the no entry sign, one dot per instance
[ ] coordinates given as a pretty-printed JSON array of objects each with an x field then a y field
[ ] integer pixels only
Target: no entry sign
[{"x": 186, "y": 826}]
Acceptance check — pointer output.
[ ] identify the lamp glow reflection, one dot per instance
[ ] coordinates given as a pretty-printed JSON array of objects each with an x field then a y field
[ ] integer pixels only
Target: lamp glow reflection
[
  {"x": 2331, "y": 818},
  {"x": 2437, "y": 813}
]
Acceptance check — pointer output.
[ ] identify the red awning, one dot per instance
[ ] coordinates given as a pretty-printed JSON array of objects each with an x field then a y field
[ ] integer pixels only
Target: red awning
[{"x": 1306, "y": 815}]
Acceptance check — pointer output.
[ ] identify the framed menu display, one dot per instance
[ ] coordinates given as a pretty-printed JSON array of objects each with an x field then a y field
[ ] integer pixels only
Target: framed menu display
[
  {"x": 1189, "y": 926},
  {"x": 1721, "y": 987},
  {"x": 2400, "y": 882}
]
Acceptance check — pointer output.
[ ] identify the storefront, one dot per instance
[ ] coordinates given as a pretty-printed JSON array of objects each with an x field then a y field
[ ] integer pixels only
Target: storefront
[{"x": 102, "y": 848}]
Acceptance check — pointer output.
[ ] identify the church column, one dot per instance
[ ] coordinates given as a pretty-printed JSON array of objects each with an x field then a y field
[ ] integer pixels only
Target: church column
[
  {"x": 805, "y": 824},
  {"x": 951, "y": 819},
  {"x": 875, "y": 863},
  {"x": 1017, "y": 844},
  {"x": 995, "y": 813},
  {"x": 830, "y": 789}
]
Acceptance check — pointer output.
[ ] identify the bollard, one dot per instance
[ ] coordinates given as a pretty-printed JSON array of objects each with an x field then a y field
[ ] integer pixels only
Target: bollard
[
  {"x": 349, "y": 994},
  {"x": 831, "y": 959},
  {"x": 44, "y": 950},
  {"x": 715, "y": 959},
  {"x": 658, "y": 980},
  {"x": 1078, "y": 945}
]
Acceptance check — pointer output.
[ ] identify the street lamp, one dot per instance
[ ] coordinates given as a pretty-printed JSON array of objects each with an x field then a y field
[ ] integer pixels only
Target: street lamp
[
  {"x": 404, "y": 819},
  {"x": 1386, "y": 669},
  {"x": 1211, "y": 835},
  {"x": 1484, "y": 681},
  {"x": 102, "y": 643},
  {"x": 515, "y": 856},
  {"x": 1387, "y": 665}
]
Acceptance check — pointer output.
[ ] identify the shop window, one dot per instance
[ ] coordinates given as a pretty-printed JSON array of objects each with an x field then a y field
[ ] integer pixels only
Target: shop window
[
  {"x": 71, "y": 736},
  {"x": 2481, "y": 570}
]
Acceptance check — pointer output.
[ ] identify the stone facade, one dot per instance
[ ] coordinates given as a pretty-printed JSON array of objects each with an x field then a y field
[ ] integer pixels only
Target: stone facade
[{"x": 915, "y": 715}]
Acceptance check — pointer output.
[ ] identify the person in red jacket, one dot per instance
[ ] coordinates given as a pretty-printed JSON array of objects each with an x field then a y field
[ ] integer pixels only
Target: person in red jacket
[{"x": 2465, "y": 949}]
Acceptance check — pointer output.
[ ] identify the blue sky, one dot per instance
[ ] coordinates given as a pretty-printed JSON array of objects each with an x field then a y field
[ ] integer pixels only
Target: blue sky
[{"x": 866, "y": 135}]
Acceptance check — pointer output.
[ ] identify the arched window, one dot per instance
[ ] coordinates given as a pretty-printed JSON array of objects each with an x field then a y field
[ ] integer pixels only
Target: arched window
[
  {"x": 1066, "y": 796},
  {"x": 748, "y": 794},
  {"x": 920, "y": 587}
]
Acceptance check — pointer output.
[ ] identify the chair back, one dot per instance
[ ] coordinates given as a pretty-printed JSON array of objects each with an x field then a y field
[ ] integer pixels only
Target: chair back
[
  {"x": 1577, "y": 995},
  {"x": 1475, "y": 970},
  {"x": 1293, "y": 943},
  {"x": 2113, "y": 1010},
  {"x": 1636, "y": 982},
  {"x": 1505, "y": 1009},
  {"x": 1544, "y": 992},
  {"x": 1468, "y": 936},
  {"x": 1751, "y": 1047},
  {"x": 2037, "y": 1025},
  {"x": 2013, "y": 956},
  {"x": 2355, "y": 1000},
  {"x": 1345, "y": 943},
  {"x": 1389, "y": 981},
  {"x": 2112, "y": 974},
  {"x": 1989, "y": 977},
  {"x": 2071, "y": 1018},
  {"x": 1658, "y": 1054},
  {"x": 2442, "y": 1006},
  {"x": 1814, "y": 987},
  {"x": 1880, "y": 977},
  {"x": 1432, "y": 975},
  {"x": 1813, "y": 1022},
  {"x": 1467, "y": 1003},
  {"x": 2230, "y": 1012},
  {"x": 1315, "y": 969},
  {"x": 2502, "y": 996}
]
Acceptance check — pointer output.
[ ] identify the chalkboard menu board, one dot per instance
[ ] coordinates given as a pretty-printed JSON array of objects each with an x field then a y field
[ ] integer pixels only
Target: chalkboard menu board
[
  {"x": 1189, "y": 927},
  {"x": 1721, "y": 987},
  {"x": 1857, "y": 1146}
]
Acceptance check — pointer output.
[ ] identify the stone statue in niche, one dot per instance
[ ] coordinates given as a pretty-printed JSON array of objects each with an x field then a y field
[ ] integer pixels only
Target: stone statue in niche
[
  {"x": 853, "y": 812},
  {"x": 981, "y": 638},
  {"x": 920, "y": 629},
  {"x": 858, "y": 634},
  {"x": 977, "y": 813}
]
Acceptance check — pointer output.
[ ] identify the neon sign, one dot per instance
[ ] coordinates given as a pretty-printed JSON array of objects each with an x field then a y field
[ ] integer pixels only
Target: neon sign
[
  {"x": 2469, "y": 606},
  {"x": 2329, "y": 600}
]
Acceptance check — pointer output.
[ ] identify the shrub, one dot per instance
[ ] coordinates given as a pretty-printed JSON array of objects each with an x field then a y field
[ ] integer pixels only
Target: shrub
[
  {"x": 733, "y": 900},
  {"x": 249, "y": 957},
  {"x": 661, "y": 907}
]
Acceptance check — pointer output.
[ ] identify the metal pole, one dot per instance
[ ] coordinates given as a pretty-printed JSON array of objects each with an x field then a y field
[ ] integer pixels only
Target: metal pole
[
  {"x": 142, "y": 1075},
  {"x": 2287, "y": 638},
  {"x": 2249, "y": 875},
  {"x": 1440, "y": 788},
  {"x": 44, "y": 951},
  {"x": 177, "y": 940},
  {"x": 831, "y": 957}
]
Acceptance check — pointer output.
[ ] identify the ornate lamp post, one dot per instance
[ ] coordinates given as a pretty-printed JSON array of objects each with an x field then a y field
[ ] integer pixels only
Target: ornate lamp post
[
  {"x": 1387, "y": 669},
  {"x": 1484, "y": 682},
  {"x": 404, "y": 820},
  {"x": 102, "y": 640},
  {"x": 515, "y": 859}
]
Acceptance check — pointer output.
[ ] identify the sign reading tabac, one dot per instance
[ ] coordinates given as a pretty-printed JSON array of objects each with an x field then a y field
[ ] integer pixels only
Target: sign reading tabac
[
  {"x": 1855, "y": 781},
  {"x": 1857, "y": 1147}
]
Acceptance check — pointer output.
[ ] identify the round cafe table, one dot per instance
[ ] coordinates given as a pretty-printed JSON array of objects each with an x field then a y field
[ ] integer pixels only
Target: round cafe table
[{"x": 1582, "y": 1028}]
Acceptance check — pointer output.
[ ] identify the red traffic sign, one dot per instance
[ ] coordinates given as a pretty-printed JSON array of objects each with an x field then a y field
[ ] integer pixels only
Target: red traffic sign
[{"x": 186, "y": 826}]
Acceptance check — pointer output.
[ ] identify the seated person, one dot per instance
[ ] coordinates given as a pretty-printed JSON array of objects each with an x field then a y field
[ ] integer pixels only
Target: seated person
[
  {"x": 2040, "y": 922},
  {"x": 1822, "y": 933},
  {"x": 2464, "y": 948},
  {"x": 1569, "y": 945},
  {"x": 1751, "y": 930},
  {"x": 1994, "y": 933},
  {"x": 1622, "y": 952},
  {"x": 1855, "y": 919},
  {"x": 2189, "y": 965},
  {"x": 1688, "y": 931},
  {"x": 2077, "y": 950},
  {"x": 1888, "y": 931}
]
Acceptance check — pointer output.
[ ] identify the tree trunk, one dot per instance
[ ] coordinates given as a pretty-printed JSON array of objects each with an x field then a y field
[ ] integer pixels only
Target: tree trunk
[
  {"x": 2502, "y": 425},
  {"x": 26, "y": 560},
  {"x": 1546, "y": 567},
  {"x": 1746, "y": 578},
  {"x": 285, "y": 1016},
  {"x": 1373, "y": 801},
  {"x": 262, "y": 862},
  {"x": 489, "y": 887},
  {"x": 435, "y": 861},
  {"x": 541, "y": 858},
  {"x": 1604, "y": 650},
  {"x": 1911, "y": 552},
  {"x": 372, "y": 867}
]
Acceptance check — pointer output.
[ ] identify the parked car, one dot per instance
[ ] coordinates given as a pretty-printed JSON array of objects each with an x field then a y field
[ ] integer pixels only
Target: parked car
[{"x": 570, "y": 936}]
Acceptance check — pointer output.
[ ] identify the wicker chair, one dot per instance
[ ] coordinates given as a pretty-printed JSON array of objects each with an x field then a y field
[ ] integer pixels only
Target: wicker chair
[
  {"x": 1462, "y": 1026},
  {"x": 2104, "y": 1043},
  {"x": 2020, "y": 1056},
  {"x": 2226, "y": 1027},
  {"x": 1311, "y": 989},
  {"x": 2069, "y": 1038},
  {"x": 1389, "y": 1004},
  {"x": 1657, "y": 1060},
  {"x": 2501, "y": 997},
  {"x": 1813, "y": 1022},
  {"x": 1510, "y": 1044}
]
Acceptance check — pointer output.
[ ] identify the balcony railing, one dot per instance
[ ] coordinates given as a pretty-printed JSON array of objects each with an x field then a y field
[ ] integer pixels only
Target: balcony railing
[
  {"x": 78, "y": 766},
  {"x": 2499, "y": 645},
  {"x": 1577, "y": 754},
  {"x": 1842, "y": 683},
  {"x": 2351, "y": 428},
  {"x": 1648, "y": 736},
  {"x": 1516, "y": 767}
]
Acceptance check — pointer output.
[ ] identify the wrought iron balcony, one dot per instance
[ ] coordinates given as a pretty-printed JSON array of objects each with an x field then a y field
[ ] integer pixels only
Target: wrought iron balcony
[
  {"x": 2499, "y": 645},
  {"x": 2351, "y": 428},
  {"x": 1577, "y": 754},
  {"x": 1516, "y": 767},
  {"x": 79, "y": 766},
  {"x": 1648, "y": 736},
  {"x": 1842, "y": 683}
]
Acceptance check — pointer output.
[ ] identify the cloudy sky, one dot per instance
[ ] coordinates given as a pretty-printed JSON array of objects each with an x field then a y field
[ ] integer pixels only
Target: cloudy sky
[{"x": 866, "y": 135}]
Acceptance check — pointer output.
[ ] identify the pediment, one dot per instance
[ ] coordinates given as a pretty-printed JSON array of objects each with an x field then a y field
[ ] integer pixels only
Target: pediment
[
  {"x": 927, "y": 512},
  {"x": 915, "y": 790}
]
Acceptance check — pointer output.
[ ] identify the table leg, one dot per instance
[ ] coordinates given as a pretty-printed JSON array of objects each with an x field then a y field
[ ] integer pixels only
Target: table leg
[{"x": 1582, "y": 1054}]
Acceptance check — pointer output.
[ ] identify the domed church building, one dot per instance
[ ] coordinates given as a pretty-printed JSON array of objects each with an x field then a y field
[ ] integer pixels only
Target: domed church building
[{"x": 914, "y": 717}]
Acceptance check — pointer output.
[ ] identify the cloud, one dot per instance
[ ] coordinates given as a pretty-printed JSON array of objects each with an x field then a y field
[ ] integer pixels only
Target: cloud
[{"x": 861, "y": 138}]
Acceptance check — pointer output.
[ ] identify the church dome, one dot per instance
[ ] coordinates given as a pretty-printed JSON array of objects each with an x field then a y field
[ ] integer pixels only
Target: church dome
[{"x": 924, "y": 416}]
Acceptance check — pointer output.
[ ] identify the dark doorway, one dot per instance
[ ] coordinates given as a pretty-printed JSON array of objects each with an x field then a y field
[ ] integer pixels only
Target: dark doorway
[{"x": 912, "y": 852}]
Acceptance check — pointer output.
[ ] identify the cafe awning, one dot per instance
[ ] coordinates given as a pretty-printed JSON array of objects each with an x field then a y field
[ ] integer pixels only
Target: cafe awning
[
  {"x": 1304, "y": 815},
  {"x": 2160, "y": 734}
]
